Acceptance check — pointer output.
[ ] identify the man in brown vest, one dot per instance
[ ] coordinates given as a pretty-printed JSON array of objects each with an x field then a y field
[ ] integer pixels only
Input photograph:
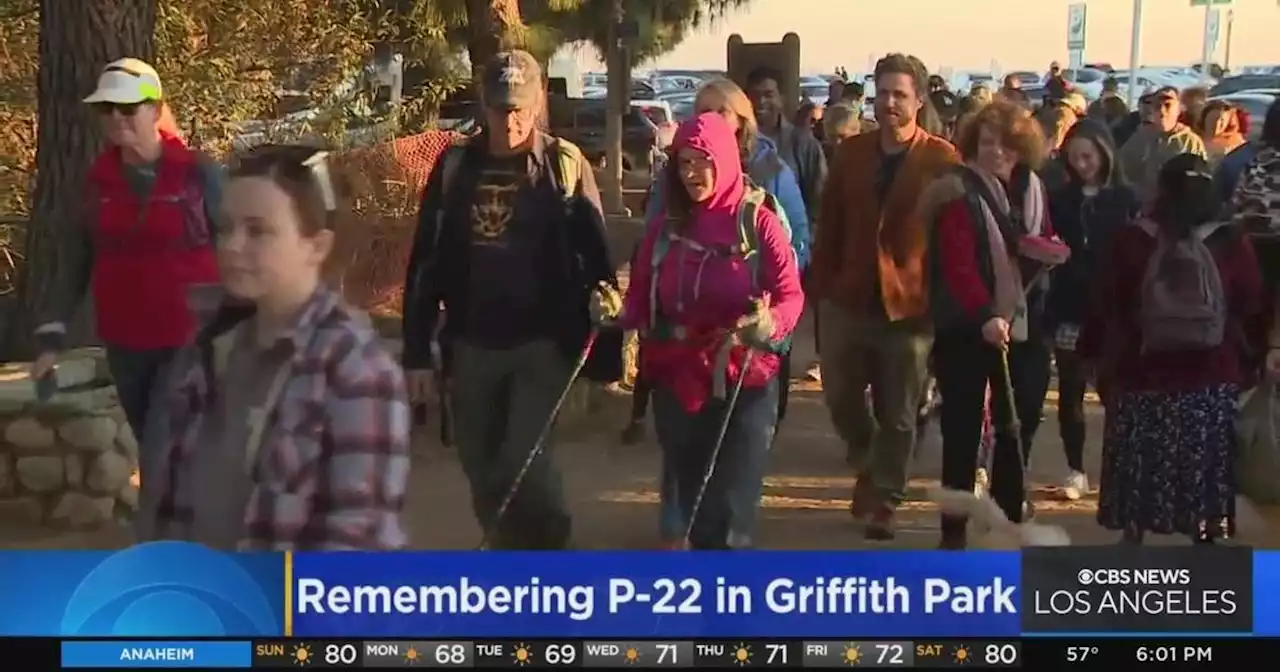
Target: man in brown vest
[{"x": 869, "y": 271}]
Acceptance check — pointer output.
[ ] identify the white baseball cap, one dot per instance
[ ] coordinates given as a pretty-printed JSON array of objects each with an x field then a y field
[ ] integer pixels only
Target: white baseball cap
[{"x": 127, "y": 81}]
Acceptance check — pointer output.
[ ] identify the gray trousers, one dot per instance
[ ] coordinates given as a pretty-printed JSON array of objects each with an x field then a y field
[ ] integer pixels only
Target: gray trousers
[
  {"x": 501, "y": 400},
  {"x": 893, "y": 359}
]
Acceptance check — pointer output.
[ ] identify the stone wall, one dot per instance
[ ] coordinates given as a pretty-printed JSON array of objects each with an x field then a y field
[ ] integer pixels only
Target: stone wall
[{"x": 71, "y": 461}]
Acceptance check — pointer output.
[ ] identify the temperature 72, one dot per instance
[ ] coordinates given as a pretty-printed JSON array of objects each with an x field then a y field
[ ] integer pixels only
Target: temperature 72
[{"x": 1080, "y": 654}]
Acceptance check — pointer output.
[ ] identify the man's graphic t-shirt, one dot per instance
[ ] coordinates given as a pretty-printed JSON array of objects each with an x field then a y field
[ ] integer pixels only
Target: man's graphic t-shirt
[
  {"x": 505, "y": 283},
  {"x": 494, "y": 203}
]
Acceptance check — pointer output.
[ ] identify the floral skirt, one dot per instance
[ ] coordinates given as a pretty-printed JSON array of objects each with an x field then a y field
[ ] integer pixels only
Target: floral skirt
[{"x": 1167, "y": 463}]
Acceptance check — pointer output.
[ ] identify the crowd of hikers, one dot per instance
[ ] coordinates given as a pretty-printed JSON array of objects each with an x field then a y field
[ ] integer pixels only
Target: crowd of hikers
[{"x": 977, "y": 243}]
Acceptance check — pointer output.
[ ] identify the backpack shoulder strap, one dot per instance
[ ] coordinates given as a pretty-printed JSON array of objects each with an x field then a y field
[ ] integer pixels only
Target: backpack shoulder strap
[
  {"x": 749, "y": 229},
  {"x": 772, "y": 203},
  {"x": 450, "y": 164},
  {"x": 569, "y": 160}
]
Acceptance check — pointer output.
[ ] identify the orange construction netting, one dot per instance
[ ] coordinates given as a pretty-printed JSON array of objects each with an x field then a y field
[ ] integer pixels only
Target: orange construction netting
[{"x": 382, "y": 186}]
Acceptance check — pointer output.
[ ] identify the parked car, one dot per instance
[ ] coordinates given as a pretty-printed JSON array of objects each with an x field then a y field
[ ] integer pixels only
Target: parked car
[
  {"x": 1027, "y": 77},
  {"x": 660, "y": 113},
  {"x": 681, "y": 105},
  {"x": 1087, "y": 81},
  {"x": 582, "y": 122},
  {"x": 675, "y": 84},
  {"x": 1241, "y": 83},
  {"x": 641, "y": 90},
  {"x": 814, "y": 89}
]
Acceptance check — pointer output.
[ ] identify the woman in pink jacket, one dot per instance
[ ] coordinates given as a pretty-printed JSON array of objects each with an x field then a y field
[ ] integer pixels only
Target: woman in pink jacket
[{"x": 714, "y": 290}]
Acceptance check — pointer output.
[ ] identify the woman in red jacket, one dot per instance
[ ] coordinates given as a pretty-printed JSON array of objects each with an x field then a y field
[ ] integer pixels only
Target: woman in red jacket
[
  {"x": 151, "y": 204},
  {"x": 986, "y": 293},
  {"x": 1169, "y": 445}
]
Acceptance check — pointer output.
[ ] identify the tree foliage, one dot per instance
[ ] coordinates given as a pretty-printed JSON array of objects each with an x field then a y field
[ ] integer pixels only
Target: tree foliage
[
  {"x": 19, "y": 31},
  {"x": 662, "y": 24}
]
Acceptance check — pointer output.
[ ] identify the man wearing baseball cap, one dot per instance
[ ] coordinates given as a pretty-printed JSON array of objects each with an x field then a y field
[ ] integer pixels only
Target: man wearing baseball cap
[
  {"x": 1160, "y": 138},
  {"x": 511, "y": 243}
]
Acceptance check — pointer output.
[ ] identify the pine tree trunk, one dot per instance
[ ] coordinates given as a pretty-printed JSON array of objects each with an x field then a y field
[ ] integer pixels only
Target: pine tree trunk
[
  {"x": 492, "y": 26},
  {"x": 76, "y": 39}
]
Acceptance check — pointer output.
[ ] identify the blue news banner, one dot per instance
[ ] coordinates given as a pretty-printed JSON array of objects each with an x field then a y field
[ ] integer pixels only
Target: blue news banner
[{"x": 1069, "y": 599}]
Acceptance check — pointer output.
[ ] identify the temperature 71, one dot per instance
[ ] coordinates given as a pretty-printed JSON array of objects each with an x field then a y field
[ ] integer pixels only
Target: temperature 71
[{"x": 1080, "y": 654}]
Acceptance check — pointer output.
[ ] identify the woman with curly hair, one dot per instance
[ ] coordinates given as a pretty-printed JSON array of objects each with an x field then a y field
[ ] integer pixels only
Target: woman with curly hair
[{"x": 986, "y": 294}]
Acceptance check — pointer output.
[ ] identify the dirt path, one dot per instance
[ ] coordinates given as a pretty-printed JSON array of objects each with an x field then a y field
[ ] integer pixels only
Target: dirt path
[
  {"x": 612, "y": 488},
  {"x": 613, "y": 491}
]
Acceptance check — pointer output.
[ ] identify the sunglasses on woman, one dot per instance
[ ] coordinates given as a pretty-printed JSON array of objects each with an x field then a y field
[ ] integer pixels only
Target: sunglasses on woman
[{"x": 125, "y": 109}]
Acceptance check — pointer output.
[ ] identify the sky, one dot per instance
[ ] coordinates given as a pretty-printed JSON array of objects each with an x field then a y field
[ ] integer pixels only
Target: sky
[{"x": 969, "y": 34}]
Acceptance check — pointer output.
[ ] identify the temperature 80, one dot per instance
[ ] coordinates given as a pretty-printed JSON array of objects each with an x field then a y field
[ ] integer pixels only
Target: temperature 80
[
  {"x": 1000, "y": 654},
  {"x": 1080, "y": 654}
]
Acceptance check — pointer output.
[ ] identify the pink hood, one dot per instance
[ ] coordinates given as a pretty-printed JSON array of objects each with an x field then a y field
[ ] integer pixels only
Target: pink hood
[{"x": 710, "y": 134}]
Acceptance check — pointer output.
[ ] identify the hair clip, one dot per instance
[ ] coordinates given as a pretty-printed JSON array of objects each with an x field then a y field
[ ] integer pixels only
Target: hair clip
[{"x": 318, "y": 164}]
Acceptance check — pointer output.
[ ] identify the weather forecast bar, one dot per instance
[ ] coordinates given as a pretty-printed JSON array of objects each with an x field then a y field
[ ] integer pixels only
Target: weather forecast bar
[{"x": 1039, "y": 653}]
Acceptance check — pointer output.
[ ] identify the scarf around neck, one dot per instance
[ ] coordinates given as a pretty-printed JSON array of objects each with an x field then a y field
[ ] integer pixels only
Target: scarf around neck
[{"x": 1005, "y": 228}]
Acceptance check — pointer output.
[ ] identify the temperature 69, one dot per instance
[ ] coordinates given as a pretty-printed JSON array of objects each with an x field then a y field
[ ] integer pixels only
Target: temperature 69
[{"x": 667, "y": 596}]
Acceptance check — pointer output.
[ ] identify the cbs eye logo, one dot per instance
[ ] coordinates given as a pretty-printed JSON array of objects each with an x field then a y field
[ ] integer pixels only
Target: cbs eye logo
[{"x": 169, "y": 589}]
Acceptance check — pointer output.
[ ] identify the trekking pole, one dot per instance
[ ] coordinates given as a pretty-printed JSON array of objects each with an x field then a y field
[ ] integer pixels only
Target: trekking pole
[
  {"x": 444, "y": 398},
  {"x": 446, "y": 405},
  {"x": 541, "y": 440},
  {"x": 723, "y": 430},
  {"x": 715, "y": 449},
  {"x": 1015, "y": 423}
]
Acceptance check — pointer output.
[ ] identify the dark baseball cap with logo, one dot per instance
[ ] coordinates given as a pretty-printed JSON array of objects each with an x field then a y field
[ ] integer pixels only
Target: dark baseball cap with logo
[{"x": 512, "y": 81}]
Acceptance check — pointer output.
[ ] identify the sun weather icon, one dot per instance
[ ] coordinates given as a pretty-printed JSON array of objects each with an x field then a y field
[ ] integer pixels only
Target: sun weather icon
[
  {"x": 522, "y": 655},
  {"x": 961, "y": 655},
  {"x": 742, "y": 654},
  {"x": 302, "y": 655},
  {"x": 412, "y": 656},
  {"x": 631, "y": 656},
  {"x": 852, "y": 654}
]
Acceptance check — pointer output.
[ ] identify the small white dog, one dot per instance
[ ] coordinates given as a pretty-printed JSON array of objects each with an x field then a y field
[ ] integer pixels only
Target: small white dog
[{"x": 989, "y": 529}]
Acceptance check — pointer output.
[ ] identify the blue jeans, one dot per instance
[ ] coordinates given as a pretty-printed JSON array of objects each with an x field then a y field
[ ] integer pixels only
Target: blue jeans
[
  {"x": 136, "y": 374},
  {"x": 727, "y": 516},
  {"x": 142, "y": 377}
]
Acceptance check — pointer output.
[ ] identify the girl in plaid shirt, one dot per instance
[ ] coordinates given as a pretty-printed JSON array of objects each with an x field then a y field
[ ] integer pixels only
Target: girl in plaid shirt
[{"x": 286, "y": 423}]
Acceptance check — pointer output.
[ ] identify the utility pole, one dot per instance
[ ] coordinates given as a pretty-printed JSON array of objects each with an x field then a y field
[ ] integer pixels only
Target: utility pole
[
  {"x": 1206, "y": 57},
  {"x": 1135, "y": 53},
  {"x": 1226, "y": 59},
  {"x": 617, "y": 100}
]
